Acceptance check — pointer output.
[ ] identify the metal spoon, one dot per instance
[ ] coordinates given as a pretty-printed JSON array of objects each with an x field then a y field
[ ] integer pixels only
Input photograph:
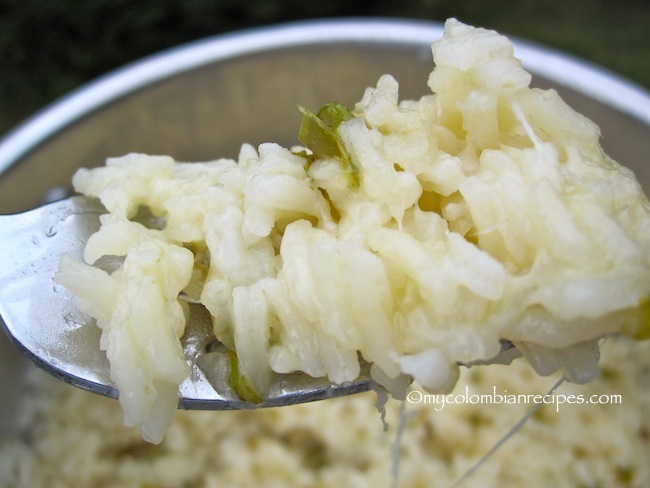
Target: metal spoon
[{"x": 42, "y": 320}]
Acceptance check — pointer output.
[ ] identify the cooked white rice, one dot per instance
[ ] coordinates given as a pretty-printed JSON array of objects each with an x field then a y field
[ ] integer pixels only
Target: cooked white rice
[
  {"x": 78, "y": 439},
  {"x": 416, "y": 234}
]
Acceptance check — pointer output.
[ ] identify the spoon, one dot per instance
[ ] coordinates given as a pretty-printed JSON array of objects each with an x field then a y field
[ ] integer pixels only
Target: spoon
[{"x": 41, "y": 318}]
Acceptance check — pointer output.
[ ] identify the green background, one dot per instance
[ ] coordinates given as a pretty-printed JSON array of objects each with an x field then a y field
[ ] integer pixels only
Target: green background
[{"x": 50, "y": 47}]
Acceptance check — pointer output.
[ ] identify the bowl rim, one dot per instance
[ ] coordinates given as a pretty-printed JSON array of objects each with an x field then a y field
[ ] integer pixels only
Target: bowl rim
[{"x": 570, "y": 71}]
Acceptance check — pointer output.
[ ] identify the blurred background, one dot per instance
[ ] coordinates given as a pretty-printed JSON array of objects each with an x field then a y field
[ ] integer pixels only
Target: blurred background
[{"x": 48, "y": 48}]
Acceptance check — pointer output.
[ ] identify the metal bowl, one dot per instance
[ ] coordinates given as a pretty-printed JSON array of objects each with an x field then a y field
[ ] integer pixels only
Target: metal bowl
[{"x": 202, "y": 100}]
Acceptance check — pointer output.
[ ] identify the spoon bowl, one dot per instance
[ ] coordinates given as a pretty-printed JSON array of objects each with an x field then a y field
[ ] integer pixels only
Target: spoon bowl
[{"x": 42, "y": 319}]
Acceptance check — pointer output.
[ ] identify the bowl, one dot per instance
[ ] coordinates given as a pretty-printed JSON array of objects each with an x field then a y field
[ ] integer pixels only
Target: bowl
[{"x": 202, "y": 100}]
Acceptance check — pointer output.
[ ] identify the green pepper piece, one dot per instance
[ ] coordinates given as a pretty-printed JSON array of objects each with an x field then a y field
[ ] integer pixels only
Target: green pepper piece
[
  {"x": 239, "y": 382},
  {"x": 319, "y": 133},
  {"x": 642, "y": 331},
  {"x": 332, "y": 114}
]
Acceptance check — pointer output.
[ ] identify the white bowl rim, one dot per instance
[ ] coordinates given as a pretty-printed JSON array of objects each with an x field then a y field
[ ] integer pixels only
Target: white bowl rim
[{"x": 592, "y": 81}]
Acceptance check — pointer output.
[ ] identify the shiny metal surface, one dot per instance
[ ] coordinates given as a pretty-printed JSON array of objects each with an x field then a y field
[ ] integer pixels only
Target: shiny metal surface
[
  {"x": 203, "y": 100},
  {"x": 37, "y": 313},
  {"x": 42, "y": 319}
]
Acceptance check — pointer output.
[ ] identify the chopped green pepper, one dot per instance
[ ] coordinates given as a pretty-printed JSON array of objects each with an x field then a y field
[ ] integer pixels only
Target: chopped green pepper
[
  {"x": 319, "y": 133},
  {"x": 239, "y": 382},
  {"x": 639, "y": 326},
  {"x": 643, "y": 328}
]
